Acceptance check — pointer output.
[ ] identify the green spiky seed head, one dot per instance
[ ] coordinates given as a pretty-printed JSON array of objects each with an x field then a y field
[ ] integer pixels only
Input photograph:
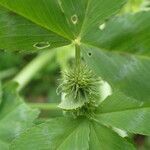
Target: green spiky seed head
[{"x": 80, "y": 87}]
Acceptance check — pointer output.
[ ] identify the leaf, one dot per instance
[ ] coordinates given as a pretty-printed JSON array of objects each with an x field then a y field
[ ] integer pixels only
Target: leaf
[
  {"x": 70, "y": 134},
  {"x": 47, "y": 14},
  {"x": 74, "y": 11},
  {"x": 125, "y": 113},
  {"x": 129, "y": 74},
  {"x": 3, "y": 146},
  {"x": 19, "y": 34},
  {"x": 128, "y": 33},
  {"x": 0, "y": 93},
  {"x": 63, "y": 16},
  {"x": 15, "y": 116},
  {"x": 97, "y": 11},
  {"x": 88, "y": 14},
  {"x": 132, "y": 6},
  {"x": 60, "y": 134},
  {"x": 103, "y": 138},
  {"x": 68, "y": 103}
]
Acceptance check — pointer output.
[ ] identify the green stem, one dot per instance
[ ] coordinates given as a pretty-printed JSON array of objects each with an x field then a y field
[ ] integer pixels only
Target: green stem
[
  {"x": 44, "y": 106},
  {"x": 24, "y": 77},
  {"x": 77, "y": 56}
]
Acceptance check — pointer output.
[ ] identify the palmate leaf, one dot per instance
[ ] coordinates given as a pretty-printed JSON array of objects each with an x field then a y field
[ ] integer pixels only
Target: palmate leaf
[
  {"x": 15, "y": 116},
  {"x": 96, "y": 13},
  {"x": 128, "y": 73},
  {"x": 67, "y": 18},
  {"x": 47, "y": 13},
  {"x": 19, "y": 34},
  {"x": 70, "y": 134},
  {"x": 128, "y": 33},
  {"x": 117, "y": 110},
  {"x": 89, "y": 14},
  {"x": 75, "y": 19},
  {"x": 125, "y": 113},
  {"x": 60, "y": 134},
  {"x": 103, "y": 138}
]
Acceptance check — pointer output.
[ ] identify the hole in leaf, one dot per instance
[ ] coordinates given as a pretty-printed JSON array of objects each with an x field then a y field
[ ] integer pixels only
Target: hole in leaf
[
  {"x": 41, "y": 45},
  {"x": 89, "y": 54},
  {"x": 74, "y": 19},
  {"x": 102, "y": 26}
]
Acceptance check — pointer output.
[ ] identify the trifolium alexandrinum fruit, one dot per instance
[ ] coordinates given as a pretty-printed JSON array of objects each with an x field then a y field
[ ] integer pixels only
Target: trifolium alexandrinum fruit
[{"x": 80, "y": 89}]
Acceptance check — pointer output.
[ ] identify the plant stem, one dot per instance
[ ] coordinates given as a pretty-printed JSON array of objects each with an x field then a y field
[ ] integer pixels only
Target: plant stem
[
  {"x": 45, "y": 106},
  {"x": 77, "y": 56},
  {"x": 32, "y": 68}
]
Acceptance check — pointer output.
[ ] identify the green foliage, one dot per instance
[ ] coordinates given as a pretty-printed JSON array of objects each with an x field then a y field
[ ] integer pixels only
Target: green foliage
[
  {"x": 0, "y": 93},
  {"x": 80, "y": 26},
  {"x": 60, "y": 133},
  {"x": 12, "y": 63},
  {"x": 125, "y": 113},
  {"x": 104, "y": 138},
  {"x": 128, "y": 33},
  {"x": 15, "y": 115},
  {"x": 116, "y": 111},
  {"x": 19, "y": 34},
  {"x": 122, "y": 71},
  {"x": 64, "y": 134},
  {"x": 132, "y": 6},
  {"x": 55, "y": 18}
]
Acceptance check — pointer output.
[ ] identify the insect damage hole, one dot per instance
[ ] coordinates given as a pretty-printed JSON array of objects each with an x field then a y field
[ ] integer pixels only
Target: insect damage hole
[
  {"x": 41, "y": 45},
  {"x": 102, "y": 26},
  {"x": 74, "y": 19},
  {"x": 89, "y": 54}
]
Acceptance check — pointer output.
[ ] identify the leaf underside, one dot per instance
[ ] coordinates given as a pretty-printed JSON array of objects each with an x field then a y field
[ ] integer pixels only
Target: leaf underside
[
  {"x": 58, "y": 20},
  {"x": 19, "y": 34}
]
